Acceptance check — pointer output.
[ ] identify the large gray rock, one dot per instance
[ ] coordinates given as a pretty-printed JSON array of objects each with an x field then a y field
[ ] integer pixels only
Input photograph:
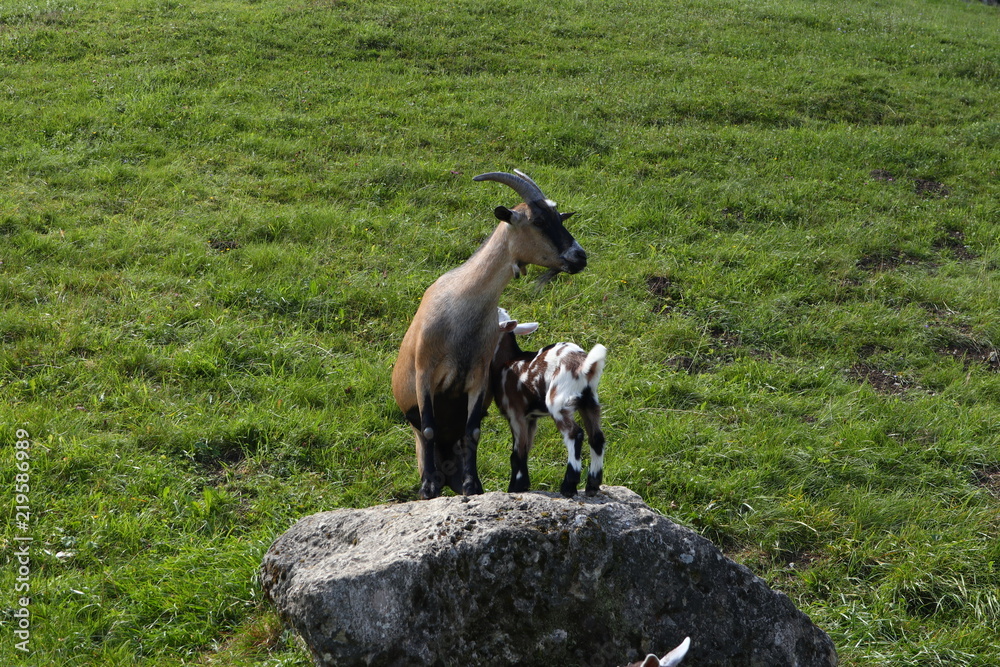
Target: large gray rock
[{"x": 526, "y": 579}]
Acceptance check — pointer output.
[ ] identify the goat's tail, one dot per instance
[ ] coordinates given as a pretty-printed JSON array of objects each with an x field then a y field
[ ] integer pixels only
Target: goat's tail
[{"x": 593, "y": 365}]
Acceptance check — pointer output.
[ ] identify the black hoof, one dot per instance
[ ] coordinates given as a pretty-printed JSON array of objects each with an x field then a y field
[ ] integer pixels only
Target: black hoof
[
  {"x": 472, "y": 487},
  {"x": 593, "y": 484},
  {"x": 519, "y": 485},
  {"x": 429, "y": 490},
  {"x": 571, "y": 480},
  {"x": 568, "y": 488}
]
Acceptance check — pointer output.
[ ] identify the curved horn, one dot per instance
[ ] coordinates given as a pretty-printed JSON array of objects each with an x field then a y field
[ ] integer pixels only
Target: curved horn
[
  {"x": 526, "y": 188},
  {"x": 526, "y": 177}
]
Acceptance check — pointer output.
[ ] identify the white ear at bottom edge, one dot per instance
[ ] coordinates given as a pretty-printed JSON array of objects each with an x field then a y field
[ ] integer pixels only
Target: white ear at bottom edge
[
  {"x": 525, "y": 328},
  {"x": 675, "y": 656}
]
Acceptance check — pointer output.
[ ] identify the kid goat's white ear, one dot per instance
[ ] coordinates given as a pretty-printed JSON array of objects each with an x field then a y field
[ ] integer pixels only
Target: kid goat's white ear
[
  {"x": 674, "y": 657},
  {"x": 525, "y": 328}
]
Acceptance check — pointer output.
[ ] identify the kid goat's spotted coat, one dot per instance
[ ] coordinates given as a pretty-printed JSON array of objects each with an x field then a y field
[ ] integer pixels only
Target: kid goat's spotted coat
[{"x": 557, "y": 380}]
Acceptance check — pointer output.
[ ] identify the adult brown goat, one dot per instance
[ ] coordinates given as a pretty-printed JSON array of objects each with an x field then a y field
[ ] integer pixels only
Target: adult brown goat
[{"x": 441, "y": 377}]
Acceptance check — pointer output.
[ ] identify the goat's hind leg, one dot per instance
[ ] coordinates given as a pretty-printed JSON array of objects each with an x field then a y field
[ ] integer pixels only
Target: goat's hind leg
[
  {"x": 421, "y": 419},
  {"x": 471, "y": 485},
  {"x": 591, "y": 417},
  {"x": 573, "y": 438},
  {"x": 431, "y": 478}
]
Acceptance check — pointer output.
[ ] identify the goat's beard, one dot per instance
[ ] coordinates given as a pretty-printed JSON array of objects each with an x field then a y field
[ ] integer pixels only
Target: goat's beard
[{"x": 546, "y": 278}]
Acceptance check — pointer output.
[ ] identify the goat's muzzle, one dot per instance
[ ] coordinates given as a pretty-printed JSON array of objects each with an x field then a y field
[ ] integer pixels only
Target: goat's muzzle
[{"x": 574, "y": 259}]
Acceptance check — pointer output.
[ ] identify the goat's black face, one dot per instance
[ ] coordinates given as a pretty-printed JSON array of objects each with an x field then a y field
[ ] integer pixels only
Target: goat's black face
[
  {"x": 553, "y": 246},
  {"x": 550, "y": 223}
]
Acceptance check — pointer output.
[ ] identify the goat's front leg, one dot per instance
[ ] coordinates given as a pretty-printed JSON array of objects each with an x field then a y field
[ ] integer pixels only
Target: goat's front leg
[
  {"x": 573, "y": 438},
  {"x": 471, "y": 485},
  {"x": 523, "y": 431},
  {"x": 431, "y": 479}
]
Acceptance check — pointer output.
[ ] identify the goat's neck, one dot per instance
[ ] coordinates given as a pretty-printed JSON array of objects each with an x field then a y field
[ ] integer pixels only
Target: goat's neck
[
  {"x": 491, "y": 267},
  {"x": 507, "y": 349}
]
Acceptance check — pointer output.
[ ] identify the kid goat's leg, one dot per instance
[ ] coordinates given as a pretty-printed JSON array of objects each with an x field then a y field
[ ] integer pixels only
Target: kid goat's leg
[
  {"x": 573, "y": 438},
  {"x": 590, "y": 414},
  {"x": 523, "y": 429}
]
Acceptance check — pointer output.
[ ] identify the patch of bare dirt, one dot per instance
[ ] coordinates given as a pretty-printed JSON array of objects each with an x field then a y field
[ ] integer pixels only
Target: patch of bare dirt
[
  {"x": 930, "y": 188},
  {"x": 925, "y": 187},
  {"x": 989, "y": 479},
  {"x": 886, "y": 261},
  {"x": 850, "y": 283},
  {"x": 731, "y": 219},
  {"x": 882, "y": 175},
  {"x": 668, "y": 294},
  {"x": 734, "y": 213},
  {"x": 868, "y": 350},
  {"x": 959, "y": 339},
  {"x": 954, "y": 242},
  {"x": 685, "y": 364},
  {"x": 223, "y": 244},
  {"x": 972, "y": 353},
  {"x": 728, "y": 339},
  {"x": 881, "y": 381}
]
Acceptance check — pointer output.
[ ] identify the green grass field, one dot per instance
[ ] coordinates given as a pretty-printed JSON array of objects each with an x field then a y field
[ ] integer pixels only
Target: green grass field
[{"x": 217, "y": 217}]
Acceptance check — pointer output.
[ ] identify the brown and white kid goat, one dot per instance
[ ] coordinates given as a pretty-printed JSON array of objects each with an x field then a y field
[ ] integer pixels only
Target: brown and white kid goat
[
  {"x": 557, "y": 381},
  {"x": 441, "y": 377}
]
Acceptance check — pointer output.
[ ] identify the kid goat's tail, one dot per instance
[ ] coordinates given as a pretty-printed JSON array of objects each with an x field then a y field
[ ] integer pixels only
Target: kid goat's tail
[{"x": 593, "y": 365}]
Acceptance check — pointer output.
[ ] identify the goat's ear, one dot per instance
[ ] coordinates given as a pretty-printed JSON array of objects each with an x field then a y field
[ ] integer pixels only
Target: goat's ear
[
  {"x": 674, "y": 657},
  {"x": 525, "y": 328},
  {"x": 507, "y": 215},
  {"x": 566, "y": 216},
  {"x": 508, "y": 326}
]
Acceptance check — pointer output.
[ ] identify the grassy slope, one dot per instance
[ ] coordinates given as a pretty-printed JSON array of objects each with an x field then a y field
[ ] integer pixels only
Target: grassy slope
[{"x": 217, "y": 217}]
